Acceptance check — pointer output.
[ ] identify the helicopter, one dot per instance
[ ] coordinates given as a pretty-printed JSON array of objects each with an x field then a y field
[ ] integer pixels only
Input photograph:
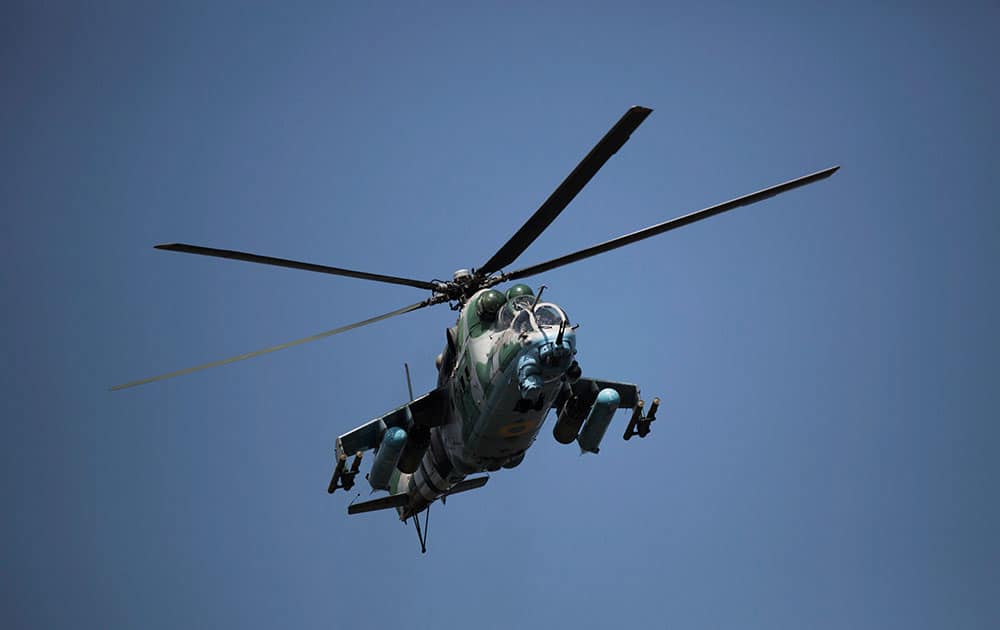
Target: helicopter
[{"x": 509, "y": 359}]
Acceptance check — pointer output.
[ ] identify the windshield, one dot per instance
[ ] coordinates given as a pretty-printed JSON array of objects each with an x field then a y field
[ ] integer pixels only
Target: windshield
[
  {"x": 507, "y": 313},
  {"x": 519, "y": 316},
  {"x": 548, "y": 315}
]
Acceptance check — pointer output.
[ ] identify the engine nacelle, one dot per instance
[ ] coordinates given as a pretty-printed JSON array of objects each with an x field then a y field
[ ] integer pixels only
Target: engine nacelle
[
  {"x": 598, "y": 420},
  {"x": 416, "y": 445},
  {"x": 389, "y": 450}
]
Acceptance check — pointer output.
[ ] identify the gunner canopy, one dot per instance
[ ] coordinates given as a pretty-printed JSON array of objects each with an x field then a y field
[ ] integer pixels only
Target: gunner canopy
[{"x": 519, "y": 315}]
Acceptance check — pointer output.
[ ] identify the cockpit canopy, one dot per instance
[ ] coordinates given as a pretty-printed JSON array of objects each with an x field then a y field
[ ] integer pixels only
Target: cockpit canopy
[
  {"x": 519, "y": 315},
  {"x": 549, "y": 315}
]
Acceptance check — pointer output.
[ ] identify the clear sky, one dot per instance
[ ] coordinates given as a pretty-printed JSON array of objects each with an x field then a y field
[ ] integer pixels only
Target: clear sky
[{"x": 827, "y": 450}]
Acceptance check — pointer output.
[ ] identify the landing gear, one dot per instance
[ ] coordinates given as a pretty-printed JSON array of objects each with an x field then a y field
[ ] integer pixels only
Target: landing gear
[
  {"x": 344, "y": 478},
  {"x": 639, "y": 424}
]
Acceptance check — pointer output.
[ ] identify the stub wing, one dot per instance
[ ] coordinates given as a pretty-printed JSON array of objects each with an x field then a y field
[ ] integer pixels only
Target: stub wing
[
  {"x": 587, "y": 388},
  {"x": 628, "y": 394},
  {"x": 428, "y": 410},
  {"x": 405, "y": 434},
  {"x": 587, "y": 407}
]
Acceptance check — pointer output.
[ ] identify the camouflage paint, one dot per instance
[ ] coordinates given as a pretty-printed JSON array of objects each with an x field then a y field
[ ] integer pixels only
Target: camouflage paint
[{"x": 488, "y": 425}]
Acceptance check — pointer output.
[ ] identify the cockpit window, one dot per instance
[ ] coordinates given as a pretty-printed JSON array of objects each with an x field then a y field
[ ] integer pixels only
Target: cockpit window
[
  {"x": 517, "y": 305},
  {"x": 548, "y": 315},
  {"x": 522, "y": 302},
  {"x": 505, "y": 317},
  {"x": 518, "y": 315},
  {"x": 522, "y": 322}
]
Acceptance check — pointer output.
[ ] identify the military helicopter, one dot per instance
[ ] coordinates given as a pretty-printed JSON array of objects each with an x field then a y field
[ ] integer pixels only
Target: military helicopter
[{"x": 509, "y": 359}]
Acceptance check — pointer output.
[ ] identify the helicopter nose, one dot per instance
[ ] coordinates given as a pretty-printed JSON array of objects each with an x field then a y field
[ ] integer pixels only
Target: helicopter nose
[
  {"x": 542, "y": 360},
  {"x": 555, "y": 355}
]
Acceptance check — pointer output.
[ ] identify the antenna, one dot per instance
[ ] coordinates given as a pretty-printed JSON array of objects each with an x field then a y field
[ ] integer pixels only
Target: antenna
[
  {"x": 538, "y": 298},
  {"x": 409, "y": 384}
]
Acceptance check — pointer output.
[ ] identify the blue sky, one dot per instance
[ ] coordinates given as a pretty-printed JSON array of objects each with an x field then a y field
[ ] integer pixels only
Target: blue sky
[{"x": 827, "y": 446}]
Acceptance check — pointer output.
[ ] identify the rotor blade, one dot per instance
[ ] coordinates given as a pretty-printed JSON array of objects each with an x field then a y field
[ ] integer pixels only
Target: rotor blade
[
  {"x": 257, "y": 353},
  {"x": 294, "y": 264},
  {"x": 561, "y": 196},
  {"x": 666, "y": 226}
]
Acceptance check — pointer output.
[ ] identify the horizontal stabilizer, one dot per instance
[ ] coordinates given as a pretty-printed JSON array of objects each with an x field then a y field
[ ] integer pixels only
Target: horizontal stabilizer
[
  {"x": 384, "y": 503},
  {"x": 468, "y": 484}
]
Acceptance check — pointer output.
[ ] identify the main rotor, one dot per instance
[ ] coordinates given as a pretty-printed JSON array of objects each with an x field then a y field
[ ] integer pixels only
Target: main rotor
[{"x": 466, "y": 282}]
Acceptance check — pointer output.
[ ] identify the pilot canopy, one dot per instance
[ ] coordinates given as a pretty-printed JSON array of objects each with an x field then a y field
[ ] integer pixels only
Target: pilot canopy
[{"x": 519, "y": 315}]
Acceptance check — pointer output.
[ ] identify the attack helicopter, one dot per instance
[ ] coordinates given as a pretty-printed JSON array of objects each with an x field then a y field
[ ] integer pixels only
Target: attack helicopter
[{"x": 508, "y": 360}]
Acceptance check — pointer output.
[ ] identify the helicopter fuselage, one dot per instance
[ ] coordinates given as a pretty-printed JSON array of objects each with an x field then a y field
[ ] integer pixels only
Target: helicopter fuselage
[{"x": 503, "y": 371}]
